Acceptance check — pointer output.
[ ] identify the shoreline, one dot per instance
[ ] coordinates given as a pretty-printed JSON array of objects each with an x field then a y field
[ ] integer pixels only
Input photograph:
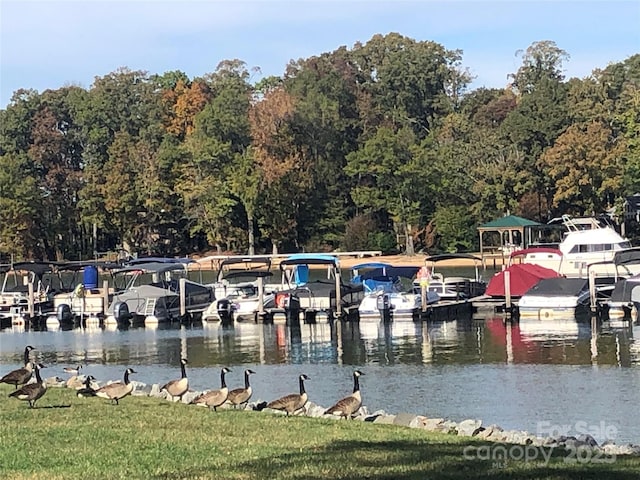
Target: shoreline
[{"x": 582, "y": 439}]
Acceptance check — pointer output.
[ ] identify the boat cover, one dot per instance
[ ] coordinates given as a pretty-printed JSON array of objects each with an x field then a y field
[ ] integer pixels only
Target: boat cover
[{"x": 523, "y": 277}]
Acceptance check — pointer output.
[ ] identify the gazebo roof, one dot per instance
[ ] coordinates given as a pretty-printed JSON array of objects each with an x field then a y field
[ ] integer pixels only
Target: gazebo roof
[{"x": 509, "y": 221}]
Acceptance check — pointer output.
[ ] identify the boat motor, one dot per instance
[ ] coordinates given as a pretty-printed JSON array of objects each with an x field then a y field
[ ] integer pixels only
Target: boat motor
[
  {"x": 63, "y": 313},
  {"x": 121, "y": 312},
  {"x": 383, "y": 302},
  {"x": 291, "y": 305},
  {"x": 225, "y": 309}
]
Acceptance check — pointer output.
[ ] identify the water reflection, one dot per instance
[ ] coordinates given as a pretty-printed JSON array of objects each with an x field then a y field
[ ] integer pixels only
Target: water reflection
[{"x": 483, "y": 341}]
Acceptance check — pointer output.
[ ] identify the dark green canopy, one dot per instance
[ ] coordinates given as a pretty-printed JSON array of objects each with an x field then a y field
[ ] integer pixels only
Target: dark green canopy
[
  {"x": 507, "y": 222},
  {"x": 510, "y": 233}
]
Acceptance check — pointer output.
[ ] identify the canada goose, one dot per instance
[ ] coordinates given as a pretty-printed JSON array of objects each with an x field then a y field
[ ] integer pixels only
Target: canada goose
[
  {"x": 117, "y": 390},
  {"x": 21, "y": 375},
  {"x": 32, "y": 391},
  {"x": 74, "y": 381},
  {"x": 87, "y": 390},
  {"x": 240, "y": 396},
  {"x": 349, "y": 405},
  {"x": 214, "y": 398},
  {"x": 293, "y": 402},
  {"x": 27, "y": 352},
  {"x": 73, "y": 371},
  {"x": 177, "y": 388}
]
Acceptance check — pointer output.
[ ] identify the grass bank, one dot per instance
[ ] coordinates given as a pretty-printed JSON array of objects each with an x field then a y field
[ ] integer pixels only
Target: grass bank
[{"x": 145, "y": 438}]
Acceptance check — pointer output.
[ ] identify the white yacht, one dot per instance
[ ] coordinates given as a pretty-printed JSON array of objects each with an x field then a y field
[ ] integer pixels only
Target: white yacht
[{"x": 586, "y": 241}]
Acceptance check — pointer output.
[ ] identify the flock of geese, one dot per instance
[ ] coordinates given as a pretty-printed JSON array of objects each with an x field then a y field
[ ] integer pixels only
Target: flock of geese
[{"x": 290, "y": 404}]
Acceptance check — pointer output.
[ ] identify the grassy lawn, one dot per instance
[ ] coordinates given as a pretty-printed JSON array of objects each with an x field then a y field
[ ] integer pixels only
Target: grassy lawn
[{"x": 66, "y": 437}]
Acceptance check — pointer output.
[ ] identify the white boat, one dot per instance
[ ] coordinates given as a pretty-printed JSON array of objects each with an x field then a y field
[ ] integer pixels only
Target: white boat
[
  {"x": 241, "y": 290},
  {"x": 624, "y": 301},
  {"x": 555, "y": 298},
  {"x": 306, "y": 290},
  {"x": 156, "y": 292},
  {"x": 84, "y": 299},
  {"x": 454, "y": 287},
  {"x": 25, "y": 286},
  {"x": 585, "y": 241},
  {"x": 385, "y": 285}
]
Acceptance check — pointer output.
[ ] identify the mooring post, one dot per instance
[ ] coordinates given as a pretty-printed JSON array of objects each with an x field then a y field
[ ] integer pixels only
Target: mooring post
[
  {"x": 338, "y": 294},
  {"x": 183, "y": 297},
  {"x": 507, "y": 291},
  {"x": 260, "y": 296},
  {"x": 592, "y": 291},
  {"x": 105, "y": 297},
  {"x": 30, "y": 306}
]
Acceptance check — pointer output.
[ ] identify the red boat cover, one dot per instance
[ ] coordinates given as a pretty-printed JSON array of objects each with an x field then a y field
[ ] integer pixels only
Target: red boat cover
[{"x": 523, "y": 277}]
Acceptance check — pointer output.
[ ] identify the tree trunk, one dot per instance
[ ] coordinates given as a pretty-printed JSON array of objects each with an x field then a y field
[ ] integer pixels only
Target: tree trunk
[
  {"x": 274, "y": 248},
  {"x": 409, "y": 250},
  {"x": 251, "y": 239}
]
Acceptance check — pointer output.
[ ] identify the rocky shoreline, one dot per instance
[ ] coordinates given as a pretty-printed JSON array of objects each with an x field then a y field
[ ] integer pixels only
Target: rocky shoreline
[{"x": 583, "y": 446}]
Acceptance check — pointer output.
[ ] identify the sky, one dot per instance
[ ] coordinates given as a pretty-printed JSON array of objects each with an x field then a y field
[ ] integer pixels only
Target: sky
[{"x": 51, "y": 44}]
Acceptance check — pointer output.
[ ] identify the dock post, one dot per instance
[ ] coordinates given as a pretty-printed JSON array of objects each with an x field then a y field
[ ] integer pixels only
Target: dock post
[
  {"x": 30, "y": 306},
  {"x": 338, "y": 295},
  {"x": 507, "y": 292},
  {"x": 183, "y": 297},
  {"x": 105, "y": 297},
  {"x": 423, "y": 297},
  {"x": 592, "y": 291},
  {"x": 260, "y": 296}
]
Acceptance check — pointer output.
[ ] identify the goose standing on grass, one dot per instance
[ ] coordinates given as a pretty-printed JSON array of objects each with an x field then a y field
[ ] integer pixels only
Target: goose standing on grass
[
  {"x": 214, "y": 398},
  {"x": 293, "y": 402},
  {"x": 241, "y": 396},
  {"x": 87, "y": 390},
  {"x": 32, "y": 391},
  {"x": 74, "y": 381},
  {"x": 349, "y": 405},
  {"x": 177, "y": 388},
  {"x": 118, "y": 390},
  {"x": 21, "y": 375}
]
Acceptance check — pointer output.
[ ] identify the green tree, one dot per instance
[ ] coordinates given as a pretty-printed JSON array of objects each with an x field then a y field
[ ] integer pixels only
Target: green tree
[
  {"x": 388, "y": 178},
  {"x": 541, "y": 61},
  {"x": 19, "y": 205}
]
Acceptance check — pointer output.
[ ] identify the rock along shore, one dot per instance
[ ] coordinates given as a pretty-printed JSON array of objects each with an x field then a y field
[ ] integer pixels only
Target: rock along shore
[{"x": 583, "y": 446}]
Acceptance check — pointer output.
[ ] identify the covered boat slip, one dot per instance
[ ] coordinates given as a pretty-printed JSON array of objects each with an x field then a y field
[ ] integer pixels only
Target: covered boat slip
[
  {"x": 307, "y": 296},
  {"x": 305, "y": 293},
  {"x": 157, "y": 292},
  {"x": 241, "y": 287},
  {"x": 36, "y": 290},
  {"x": 454, "y": 287},
  {"x": 625, "y": 297},
  {"x": 388, "y": 287}
]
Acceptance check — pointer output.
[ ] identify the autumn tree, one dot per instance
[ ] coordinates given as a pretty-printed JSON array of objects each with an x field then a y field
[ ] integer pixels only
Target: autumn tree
[
  {"x": 282, "y": 165},
  {"x": 185, "y": 101},
  {"x": 586, "y": 166}
]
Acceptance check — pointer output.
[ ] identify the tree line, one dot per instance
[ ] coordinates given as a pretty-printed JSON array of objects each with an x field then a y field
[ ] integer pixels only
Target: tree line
[{"x": 380, "y": 146}]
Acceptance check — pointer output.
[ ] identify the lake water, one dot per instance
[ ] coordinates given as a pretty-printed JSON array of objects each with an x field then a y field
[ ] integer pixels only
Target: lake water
[{"x": 581, "y": 376}]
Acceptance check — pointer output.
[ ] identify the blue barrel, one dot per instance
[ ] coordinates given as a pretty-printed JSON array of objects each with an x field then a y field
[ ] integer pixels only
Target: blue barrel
[{"x": 90, "y": 277}]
